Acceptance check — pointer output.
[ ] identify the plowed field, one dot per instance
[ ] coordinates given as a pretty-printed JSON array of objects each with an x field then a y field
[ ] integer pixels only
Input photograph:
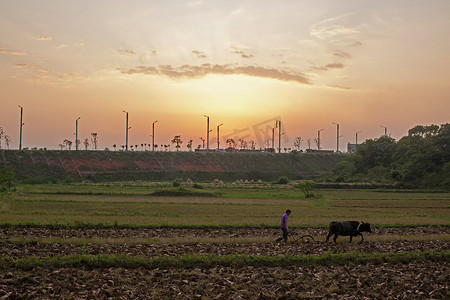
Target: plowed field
[{"x": 418, "y": 279}]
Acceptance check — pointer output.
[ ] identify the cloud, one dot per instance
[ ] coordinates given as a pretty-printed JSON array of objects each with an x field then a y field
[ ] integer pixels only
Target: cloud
[
  {"x": 333, "y": 28},
  {"x": 126, "y": 52},
  {"x": 329, "y": 67},
  {"x": 188, "y": 71},
  {"x": 199, "y": 54},
  {"x": 341, "y": 54},
  {"x": 335, "y": 66},
  {"x": 357, "y": 44},
  {"x": 195, "y": 3},
  {"x": 43, "y": 38},
  {"x": 240, "y": 51},
  {"x": 339, "y": 87},
  {"x": 12, "y": 52},
  {"x": 21, "y": 65}
]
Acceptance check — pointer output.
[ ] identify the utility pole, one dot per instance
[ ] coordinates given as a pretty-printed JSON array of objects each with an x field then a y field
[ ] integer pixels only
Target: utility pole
[
  {"x": 318, "y": 139},
  {"x": 337, "y": 139},
  {"x": 153, "y": 136},
  {"x": 76, "y": 134},
  {"x": 218, "y": 137},
  {"x": 126, "y": 132},
  {"x": 385, "y": 130},
  {"x": 279, "y": 136},
  {"x": 207, "y": 133},
  {"x": 21, "y": 125}
]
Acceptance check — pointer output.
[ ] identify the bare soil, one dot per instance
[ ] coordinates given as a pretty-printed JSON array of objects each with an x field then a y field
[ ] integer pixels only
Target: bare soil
[{"x": 415, "y": 280}]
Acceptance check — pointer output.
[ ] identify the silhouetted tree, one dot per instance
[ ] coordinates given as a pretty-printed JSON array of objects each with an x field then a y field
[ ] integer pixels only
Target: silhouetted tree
[
  {"x": 203, "y": 142},
  {"x": 7, "y": 140},
  {"x": 86, "y": 143},
  {"x": 94, "y": 139},
  {"x": 298, "y": 142},
  {"x": 189, "y": 145},
  {"x": 177, "y": 140},
  {"x": 231, "y": 143}
]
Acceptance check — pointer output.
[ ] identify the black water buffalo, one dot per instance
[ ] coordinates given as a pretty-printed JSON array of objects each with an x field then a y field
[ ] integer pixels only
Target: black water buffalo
[{"x": 351, "y": 228}]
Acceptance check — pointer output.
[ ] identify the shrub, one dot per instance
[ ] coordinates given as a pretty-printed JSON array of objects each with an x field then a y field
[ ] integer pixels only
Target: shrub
[
  {"x": 307, "y": 187},
  {"x": 197, "y": 186},
  {"x": 283, "y": 180},
  {"x": 176, "y": 182}
]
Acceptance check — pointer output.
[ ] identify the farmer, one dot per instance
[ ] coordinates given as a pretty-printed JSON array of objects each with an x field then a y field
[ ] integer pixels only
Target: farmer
[{"x": 284, "y": 226}]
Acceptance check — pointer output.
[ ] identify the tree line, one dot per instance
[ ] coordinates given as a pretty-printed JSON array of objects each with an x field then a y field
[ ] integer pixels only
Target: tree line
[{"x": 419, "y": 160}]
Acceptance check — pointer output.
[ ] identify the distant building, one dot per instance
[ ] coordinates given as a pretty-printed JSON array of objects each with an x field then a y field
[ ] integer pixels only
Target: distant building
[{"x": 351, "y": 148}]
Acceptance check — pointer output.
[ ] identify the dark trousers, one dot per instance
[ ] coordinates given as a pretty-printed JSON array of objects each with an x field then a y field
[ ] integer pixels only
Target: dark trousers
[{"x": 284, "y": 237}]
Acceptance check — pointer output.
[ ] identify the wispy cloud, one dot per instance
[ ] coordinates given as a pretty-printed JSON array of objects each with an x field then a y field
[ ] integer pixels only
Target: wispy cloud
[
  {"x": 21, "y": 65},
  {"x": 43, "y": 38},
  {"x": 341, "y": 54},
  {"x": 126, "y": 52},
  {"x": 199, "y": 54},
  {"x": 189, "y": 71},
  {"x": 329, "y": 67},
  {"x": 12, "y": 52},
  {"x": 241, "y": 51}
]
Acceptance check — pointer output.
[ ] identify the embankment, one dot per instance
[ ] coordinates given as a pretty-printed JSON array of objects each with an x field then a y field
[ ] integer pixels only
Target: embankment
[{"x": 41, "y": 165}]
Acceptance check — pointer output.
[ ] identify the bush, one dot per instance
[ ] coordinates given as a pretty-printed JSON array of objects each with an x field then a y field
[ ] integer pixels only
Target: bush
[
  {"x": 283, "y": 180},
  {"x": 197, "y": 186},
  {"x": 176, "y": 182},
  {"x": 307, "y": 187}
]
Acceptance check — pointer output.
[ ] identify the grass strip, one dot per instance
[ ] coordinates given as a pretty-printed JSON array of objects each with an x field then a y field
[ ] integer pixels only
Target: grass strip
[{"x": 209, "y": 261}]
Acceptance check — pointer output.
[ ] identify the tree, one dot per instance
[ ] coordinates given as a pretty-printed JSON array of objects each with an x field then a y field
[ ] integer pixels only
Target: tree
[
  {"x": 307, "y": 187},
  {"x": 203, "y": 142},
  {"x": 6, "y": 178},
  {"x": 114, "y": 146},
  {"x": 252, "y": 144},
  {"x": 242, "y": 143},
  {"x": 67, "y": 144},
  {"x": 177, "y": 140},
  {"x": 298, "y": 142},
  {"x": 86, "y": 143},
  {"x": 2, "y": 133},
  {"x": 231, "y": 143},
  {"x": 189, "y": 145},
  {"x": 7, "y": 141},
  {"x": 94, "y": 140}
]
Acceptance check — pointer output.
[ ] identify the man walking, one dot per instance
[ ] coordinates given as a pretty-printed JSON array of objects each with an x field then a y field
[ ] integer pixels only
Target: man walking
[{"x": 284, "y": 226}]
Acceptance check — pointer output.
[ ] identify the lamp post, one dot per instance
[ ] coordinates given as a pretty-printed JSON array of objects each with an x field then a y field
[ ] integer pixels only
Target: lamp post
[
  {"x": 126, "y": 132},
  {"x": 337, "y": 138},
  {"x": 207, "y": 133},
  {"x": 279, "y": 136},
  {"x": 21, "y": 125},
  {"x": 218, "y": 136},
  {"x": 153, "y": 136},
  {"x": 385, "y": 130},
  {"x": 357, "y": 138},
  {"x": 76, "y": 133},
  {"x": 318, "y": 139}
]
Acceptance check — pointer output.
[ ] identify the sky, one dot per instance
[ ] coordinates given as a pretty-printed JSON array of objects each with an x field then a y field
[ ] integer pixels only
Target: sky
[{"x": 364, "y": 65}]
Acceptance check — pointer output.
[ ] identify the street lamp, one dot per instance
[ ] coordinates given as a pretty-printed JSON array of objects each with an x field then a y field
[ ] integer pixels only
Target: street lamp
[
  {"x": 126, "y": 130},
  {"x": 337, "y": 139},
  {"x": 279, "y": 136},
  {"x": 218, "y": 137},
  {"x": 385, "y": 130},
  {"x": 153, "y": 136},
  {"x": 76, "y": 133},
  {"x": 357, "y": 138},
  {"x": 207, "y": 133},
  {"x": 318, "y": 139},
  {"x": 21, "y": 125}
]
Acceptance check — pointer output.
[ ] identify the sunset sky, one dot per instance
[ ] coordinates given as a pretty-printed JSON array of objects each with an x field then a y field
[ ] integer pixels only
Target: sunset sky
[{"x": 362, "y": 64}]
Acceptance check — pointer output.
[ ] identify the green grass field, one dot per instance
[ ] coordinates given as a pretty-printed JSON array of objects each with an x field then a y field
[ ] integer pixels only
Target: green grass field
[{"x": 123, "y": 204}]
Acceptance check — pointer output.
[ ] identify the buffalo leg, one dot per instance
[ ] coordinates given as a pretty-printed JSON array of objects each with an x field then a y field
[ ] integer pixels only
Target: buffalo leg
[
  {"x": 335, "y": 237},
  {"x": 328, "y": 236}
]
